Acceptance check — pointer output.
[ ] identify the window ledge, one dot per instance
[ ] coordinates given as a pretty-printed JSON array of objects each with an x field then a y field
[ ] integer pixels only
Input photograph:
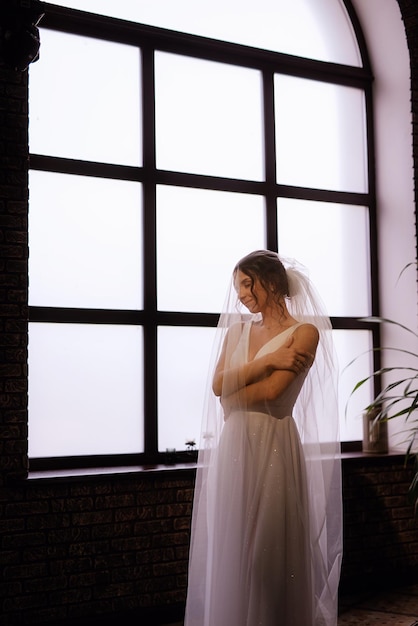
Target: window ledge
[
  {"x": 96, "y": 472},
  {"x": 161, "y": 469},
  {"x": 369, "y": 456}
]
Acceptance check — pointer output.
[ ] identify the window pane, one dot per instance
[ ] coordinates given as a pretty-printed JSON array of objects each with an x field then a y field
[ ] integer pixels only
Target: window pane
[
  {"x": 200, "y": 236},
  {"x": 317, "y": 29},
  {"x": 353, "y": 345},
  {"x": 334, "y": 245},
  {"x": 85, "y": 242},
  {"x": 181, "y": 388},
  {"x": 320, "y": 135},
  {"x": 85, "y": 389},
  {"x": 85, "y": 100},
  {"x": 208, "y": 117}
]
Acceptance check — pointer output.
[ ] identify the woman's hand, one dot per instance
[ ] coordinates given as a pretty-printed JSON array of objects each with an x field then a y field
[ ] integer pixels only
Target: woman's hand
[{"x": 290, "y": 358}]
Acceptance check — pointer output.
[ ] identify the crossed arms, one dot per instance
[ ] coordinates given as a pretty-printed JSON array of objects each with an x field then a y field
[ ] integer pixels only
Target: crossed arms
[{"x": 265, "y": 378}]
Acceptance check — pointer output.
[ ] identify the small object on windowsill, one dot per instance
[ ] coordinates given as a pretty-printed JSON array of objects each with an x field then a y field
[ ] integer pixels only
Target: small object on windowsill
[
  {"x": 190, "y": 445},
  {"x": 170, "y": 456},
  {"x": 375, "y": 432}
]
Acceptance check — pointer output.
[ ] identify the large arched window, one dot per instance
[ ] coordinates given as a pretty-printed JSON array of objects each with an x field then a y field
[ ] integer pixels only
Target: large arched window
[{"x": 164, "y": 146}]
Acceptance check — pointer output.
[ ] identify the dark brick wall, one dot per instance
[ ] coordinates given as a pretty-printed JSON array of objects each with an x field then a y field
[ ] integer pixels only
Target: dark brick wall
[
  {"x": 13, "y": 270},
  {"x": 380, "y": 529},
  {"x": 106, "y": 545},
  {"x": 93, "y": 546}
]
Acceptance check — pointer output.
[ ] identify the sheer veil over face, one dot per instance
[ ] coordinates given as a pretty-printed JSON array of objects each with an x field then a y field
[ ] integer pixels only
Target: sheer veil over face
[{"x": 315, "y": 413}]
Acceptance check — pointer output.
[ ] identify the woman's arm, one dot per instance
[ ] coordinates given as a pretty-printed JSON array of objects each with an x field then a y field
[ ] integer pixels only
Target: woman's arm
[
  {"x": 229, "y": 380},
  {"x": 290, "y": 357},
  {"x": 257, "y": 393}
]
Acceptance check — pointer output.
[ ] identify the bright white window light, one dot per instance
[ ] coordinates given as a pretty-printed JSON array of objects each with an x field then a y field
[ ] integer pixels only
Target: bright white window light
[
  {"x": 85, "y": 242},
  {"x": 208, "y": 118},
  {"x": 316, "y": 29},
  {"x": 85, "y": 100},
  {"x": 320, "y": 135},
  {"x": 181, "y": 389},
  {"x": 85, "y": 389},
  {"x": 86, "y": 233},
  {"x": 333, "y": 244},
  {"x": 353, "y": 347},
  {"x": 201, "y": 234}
]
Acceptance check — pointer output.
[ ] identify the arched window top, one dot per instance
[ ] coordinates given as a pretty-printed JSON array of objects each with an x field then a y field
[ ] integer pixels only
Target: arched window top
[{"x": 315, "y": 29}]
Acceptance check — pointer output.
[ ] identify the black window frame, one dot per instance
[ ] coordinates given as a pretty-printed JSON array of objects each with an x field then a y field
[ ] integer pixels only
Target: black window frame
[{"x": 150, "y": 39}]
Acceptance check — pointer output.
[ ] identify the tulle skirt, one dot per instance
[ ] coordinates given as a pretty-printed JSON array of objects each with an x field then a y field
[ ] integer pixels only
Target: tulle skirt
[{"x": 253, "y": 564}]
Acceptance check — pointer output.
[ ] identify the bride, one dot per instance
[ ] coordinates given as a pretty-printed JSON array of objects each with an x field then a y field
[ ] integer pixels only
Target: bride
[{"x": 266, "y": 528}]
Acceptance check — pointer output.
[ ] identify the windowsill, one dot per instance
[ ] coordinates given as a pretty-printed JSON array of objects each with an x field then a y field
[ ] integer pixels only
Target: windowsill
[
  {"x": 160, "y": 469},
  {"x": 124, "y": 470},
  {"x": 393, "y": 453}
]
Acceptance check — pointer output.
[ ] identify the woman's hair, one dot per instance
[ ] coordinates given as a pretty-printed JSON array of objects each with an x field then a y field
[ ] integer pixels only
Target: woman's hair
[{"x": 268, "y": 269}]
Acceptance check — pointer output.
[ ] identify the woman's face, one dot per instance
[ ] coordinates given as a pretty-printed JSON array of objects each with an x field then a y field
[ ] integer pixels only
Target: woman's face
[{"x": 251, "y": 293}]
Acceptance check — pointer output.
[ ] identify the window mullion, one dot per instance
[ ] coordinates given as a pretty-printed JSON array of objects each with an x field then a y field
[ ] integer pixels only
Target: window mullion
[
  {"x": 149, "y": 247},
  {"x": 270, "y": 160}
]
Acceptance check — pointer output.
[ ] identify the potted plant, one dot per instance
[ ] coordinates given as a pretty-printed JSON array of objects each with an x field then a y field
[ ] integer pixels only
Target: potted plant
[{"x": 397, "y": 399}]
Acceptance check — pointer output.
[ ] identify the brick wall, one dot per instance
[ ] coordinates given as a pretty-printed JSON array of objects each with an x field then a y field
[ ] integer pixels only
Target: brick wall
[
  {"x": 13, "y": 270},
  {"x": 108, "y": 544},
  {"x": 79, "y": 547},
  {"x": 380, "y": 529},
  {"x": 93, "y": 547}
]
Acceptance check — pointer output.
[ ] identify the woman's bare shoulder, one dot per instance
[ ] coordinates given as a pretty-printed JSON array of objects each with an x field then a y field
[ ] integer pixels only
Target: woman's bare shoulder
[{"x": 306, "y": 332}]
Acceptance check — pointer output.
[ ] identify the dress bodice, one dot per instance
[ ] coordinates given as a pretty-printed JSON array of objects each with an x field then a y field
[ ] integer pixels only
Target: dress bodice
[{"x": 283, "y": 405}]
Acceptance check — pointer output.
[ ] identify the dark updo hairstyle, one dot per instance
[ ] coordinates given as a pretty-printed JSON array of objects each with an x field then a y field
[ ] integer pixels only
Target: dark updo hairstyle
[{"x": 268, "y": 269}]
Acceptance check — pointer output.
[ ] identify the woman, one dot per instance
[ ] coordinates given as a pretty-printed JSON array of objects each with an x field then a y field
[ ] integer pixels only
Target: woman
[{"x": 266, "y": 532}]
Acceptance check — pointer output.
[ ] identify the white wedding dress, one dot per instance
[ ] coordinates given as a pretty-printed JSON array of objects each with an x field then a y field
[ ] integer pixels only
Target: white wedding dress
[
  {"x": 266, "y": 539},
  {"x": 258, "y": 571}
]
